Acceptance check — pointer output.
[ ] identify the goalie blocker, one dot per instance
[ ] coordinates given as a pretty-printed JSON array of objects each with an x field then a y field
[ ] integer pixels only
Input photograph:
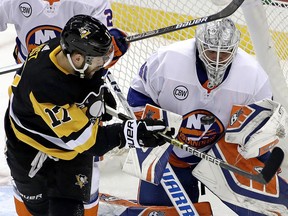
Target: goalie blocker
[{"x": 254, "y": 130}]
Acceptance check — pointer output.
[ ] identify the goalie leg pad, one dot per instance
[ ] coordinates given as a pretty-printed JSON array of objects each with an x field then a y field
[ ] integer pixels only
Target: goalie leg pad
[
  {"x": 149, "y": 194},
  {"x": 123, "y": 207},
  {"x": 242, "y": 194}
]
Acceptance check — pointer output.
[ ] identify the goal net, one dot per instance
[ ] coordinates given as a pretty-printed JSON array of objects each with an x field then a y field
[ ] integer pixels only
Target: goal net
[{"x": 263, "y": 25}]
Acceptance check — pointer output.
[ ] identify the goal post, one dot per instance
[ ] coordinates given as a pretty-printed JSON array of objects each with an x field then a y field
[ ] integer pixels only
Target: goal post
[{"x": 268, "y": 42}]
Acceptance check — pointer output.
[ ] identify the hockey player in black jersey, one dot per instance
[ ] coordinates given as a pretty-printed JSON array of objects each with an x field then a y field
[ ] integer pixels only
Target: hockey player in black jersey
[{"x": 52, "y": 123}]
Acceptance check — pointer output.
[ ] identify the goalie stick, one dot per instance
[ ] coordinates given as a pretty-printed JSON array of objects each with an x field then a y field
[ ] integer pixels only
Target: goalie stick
[
  {"x": 269, "y": 170},
  {"x": 169, "y": 173},
  {"x": 225, "y": 12}
]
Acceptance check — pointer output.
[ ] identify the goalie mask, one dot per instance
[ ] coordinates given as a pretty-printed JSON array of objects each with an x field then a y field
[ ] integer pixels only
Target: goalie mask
[
  {"x": 257, "y": 127},
  {"x": 217, "y": 43},
  {"x": 88, "y": 36}
]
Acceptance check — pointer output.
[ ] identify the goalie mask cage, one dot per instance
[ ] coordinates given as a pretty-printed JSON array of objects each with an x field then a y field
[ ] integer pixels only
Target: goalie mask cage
[{"x": 263, "y": 26}]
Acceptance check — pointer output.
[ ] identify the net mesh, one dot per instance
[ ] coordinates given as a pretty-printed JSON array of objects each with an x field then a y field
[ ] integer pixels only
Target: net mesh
[{"x": 137, "y": 16}]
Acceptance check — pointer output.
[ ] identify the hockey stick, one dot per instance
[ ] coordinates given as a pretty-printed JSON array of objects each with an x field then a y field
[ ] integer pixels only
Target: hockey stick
[
  {"x": 227, "y": 11},
  {"x": 269, "y": 170},
  {"x": 169, "y": 177},
  {"x": 10, "y": 68}
]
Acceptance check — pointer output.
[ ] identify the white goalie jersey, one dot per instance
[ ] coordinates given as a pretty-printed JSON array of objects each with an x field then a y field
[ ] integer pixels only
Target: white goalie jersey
[
  {"x": 37, "y": 21},
  {"x": 171, "y": 79}
]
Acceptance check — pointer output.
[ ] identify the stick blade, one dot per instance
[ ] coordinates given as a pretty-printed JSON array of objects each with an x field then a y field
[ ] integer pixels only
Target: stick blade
[{"x": 272, "y": 164}]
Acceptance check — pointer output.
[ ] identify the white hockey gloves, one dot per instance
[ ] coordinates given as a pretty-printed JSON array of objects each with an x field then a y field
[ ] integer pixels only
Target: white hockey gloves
[
  {"x": 143, "y": 133},
  {"x": 257, "y": 127}
]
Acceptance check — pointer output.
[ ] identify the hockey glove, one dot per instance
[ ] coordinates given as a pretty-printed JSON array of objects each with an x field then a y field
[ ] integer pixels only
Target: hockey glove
[
  {"x": 119, "y": 43},
  {"x": 142, "y": 133},
  {"x": 257, "y": 127}
]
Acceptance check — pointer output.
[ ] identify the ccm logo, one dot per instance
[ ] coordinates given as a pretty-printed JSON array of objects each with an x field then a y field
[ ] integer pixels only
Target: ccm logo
[
  {"x": 181, "y": 92},
  {"x": 25, "y": 9}
]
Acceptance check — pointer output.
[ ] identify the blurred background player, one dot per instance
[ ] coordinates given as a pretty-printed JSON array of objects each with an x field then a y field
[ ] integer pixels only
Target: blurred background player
[
  {"x": 197, "y": 78},
  {"x": 52, "y": 121},
  {"x": 37, "y": 21}
]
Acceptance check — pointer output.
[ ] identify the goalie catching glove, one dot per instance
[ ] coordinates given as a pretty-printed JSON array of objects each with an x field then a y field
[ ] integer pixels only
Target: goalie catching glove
[
  {"x": 143, "y": 133},
  {"x": 257, "y": 127}
]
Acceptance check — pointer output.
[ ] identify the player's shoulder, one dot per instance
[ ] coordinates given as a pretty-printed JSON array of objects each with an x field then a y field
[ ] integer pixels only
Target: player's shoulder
[
  {"x": 179, "y": 51},
  {"x": 244, "y": 60},
  {"x": 179, "y": 48},
  {"x": 180, "y": 45}
]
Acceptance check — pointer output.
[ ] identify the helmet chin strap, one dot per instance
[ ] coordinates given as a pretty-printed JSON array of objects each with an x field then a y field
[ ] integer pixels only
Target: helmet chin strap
[{"x": 81, "y": 71}]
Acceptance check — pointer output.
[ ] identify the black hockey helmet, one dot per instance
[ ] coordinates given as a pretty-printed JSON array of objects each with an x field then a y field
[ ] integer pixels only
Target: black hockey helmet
[{"x": 87, "y": 35}]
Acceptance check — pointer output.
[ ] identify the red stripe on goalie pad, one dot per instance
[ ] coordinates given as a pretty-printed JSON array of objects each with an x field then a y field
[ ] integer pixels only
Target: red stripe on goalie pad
[{"x": 131, "y": 208}]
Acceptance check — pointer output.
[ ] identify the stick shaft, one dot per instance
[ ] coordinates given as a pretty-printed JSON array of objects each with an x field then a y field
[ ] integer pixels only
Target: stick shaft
[{"x": 227, "y": 11}]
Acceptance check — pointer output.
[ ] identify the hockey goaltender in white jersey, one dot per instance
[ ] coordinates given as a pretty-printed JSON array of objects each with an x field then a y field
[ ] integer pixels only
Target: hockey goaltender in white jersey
[
  {"x": 184, "y": 79},
  {"x": 37, "y": 21}
]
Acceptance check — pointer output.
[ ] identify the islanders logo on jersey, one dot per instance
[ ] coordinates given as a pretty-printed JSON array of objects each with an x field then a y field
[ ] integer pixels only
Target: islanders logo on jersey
[
  {"x": 198, "y": 133},
  {"x": 41, "y": 34}
]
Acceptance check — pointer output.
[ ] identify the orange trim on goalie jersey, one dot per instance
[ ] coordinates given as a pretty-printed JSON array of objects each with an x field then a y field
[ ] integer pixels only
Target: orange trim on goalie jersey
[
  {"x": 231, "y": 155},
  {"x": 240, "y": 114}
]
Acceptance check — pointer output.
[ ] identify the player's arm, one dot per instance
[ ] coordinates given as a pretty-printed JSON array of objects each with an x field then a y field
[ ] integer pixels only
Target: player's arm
[
  {"x": 101, "y": 10},
  {"x": 5, "y": 13},
  {"x": 262, "y": 86},
  {"x": 145, "y": 86},
  {"x": 79, "y": 133}
]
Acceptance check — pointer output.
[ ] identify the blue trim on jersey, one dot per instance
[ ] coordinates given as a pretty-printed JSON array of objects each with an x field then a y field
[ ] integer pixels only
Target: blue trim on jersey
[
  {"x": 19, "y": 49},
  {"x": 136, "y": 99}
]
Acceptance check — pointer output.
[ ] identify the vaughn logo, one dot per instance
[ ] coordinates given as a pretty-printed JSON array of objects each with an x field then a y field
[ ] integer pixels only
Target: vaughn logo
[
  {"x": 25, "y": 9},
  {"x": 181, "y": 92}
]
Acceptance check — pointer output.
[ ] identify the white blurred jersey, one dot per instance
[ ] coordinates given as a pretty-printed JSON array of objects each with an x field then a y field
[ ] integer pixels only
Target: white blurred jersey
[
  {"x": 170, "y": 79},
  {"x": 37, "y": 21}
]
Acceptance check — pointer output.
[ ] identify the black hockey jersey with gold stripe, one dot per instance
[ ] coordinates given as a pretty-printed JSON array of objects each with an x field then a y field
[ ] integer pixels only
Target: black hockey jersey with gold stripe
[{"x": 50, "y": 109}]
